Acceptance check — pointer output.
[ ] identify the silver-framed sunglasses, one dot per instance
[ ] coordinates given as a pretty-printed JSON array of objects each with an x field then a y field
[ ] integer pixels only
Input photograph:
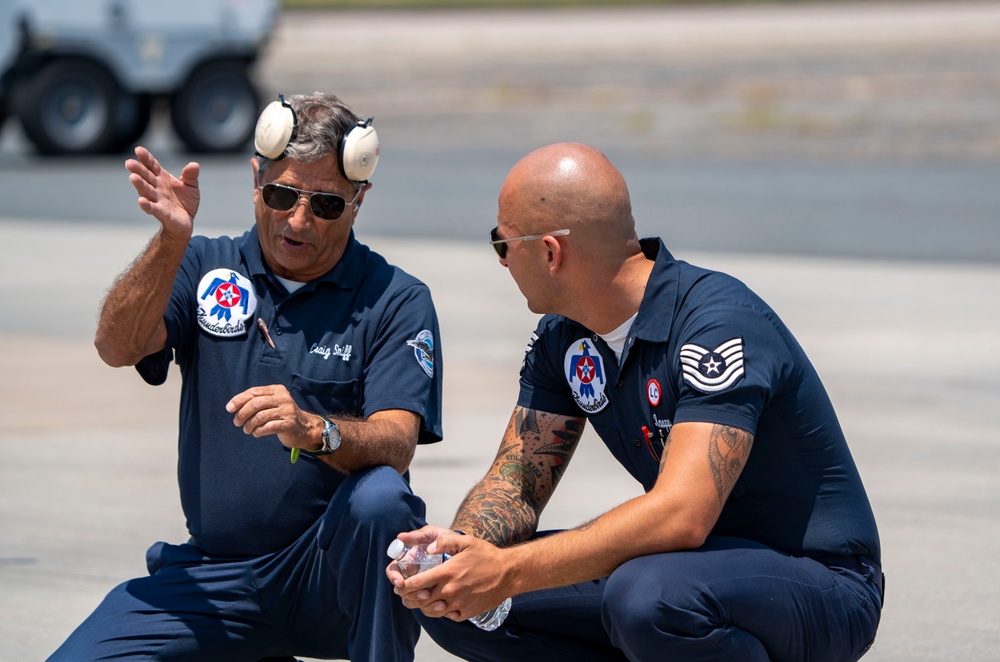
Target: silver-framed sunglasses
[{"x": 500, "y": 245}]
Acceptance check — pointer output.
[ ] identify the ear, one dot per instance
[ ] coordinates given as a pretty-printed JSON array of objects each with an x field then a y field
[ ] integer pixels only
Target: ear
[
  {"x": 361, "y": 198},
  {"x": 554, "y": 256},
  {"x": 255, "y": 167}
]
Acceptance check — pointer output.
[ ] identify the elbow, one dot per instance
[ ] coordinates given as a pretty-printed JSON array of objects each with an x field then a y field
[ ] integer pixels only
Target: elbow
[
  {"x": 401, "y": 463},
  {"x": 691, "y": 532},
  {"x": 112, "y": 355},
  {"x": 691, "y": 537}
]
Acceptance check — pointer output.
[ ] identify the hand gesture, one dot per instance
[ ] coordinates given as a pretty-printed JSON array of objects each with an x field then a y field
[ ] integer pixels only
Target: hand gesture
[
  {"x": 172, "y": 201},
  {"x": 264, "y": 410}
]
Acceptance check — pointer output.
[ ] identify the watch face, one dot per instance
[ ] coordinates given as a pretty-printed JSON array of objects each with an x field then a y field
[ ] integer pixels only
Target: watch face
[{"x": 331, "y": 437}]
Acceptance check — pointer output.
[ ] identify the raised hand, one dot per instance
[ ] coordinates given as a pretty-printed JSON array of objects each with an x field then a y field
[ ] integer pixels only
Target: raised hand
[{"x": 172, "y": 201}]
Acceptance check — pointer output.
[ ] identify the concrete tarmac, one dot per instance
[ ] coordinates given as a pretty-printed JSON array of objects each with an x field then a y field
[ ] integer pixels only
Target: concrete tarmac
[{"x": 908, "y": 350}]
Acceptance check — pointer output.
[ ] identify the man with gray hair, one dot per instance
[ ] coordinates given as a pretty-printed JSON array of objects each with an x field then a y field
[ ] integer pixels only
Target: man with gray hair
[{"x": 311, "y": 369}]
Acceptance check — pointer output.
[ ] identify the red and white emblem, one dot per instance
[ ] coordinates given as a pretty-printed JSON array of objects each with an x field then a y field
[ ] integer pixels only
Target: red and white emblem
[
  {"x": 228, "y": 295},
  {"x": 586, "y": 369},
  {"x": 653, "y": 392},
  {"x": 585, "y": 376},
  {"x": 226, "y": 300}
]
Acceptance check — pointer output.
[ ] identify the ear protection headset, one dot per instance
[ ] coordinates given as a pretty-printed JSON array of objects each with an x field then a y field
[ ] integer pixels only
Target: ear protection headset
[{"x": 278, "y": 125}]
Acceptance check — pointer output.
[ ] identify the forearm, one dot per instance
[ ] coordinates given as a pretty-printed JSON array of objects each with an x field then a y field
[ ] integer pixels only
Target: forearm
[
  {"x": 594, "y": 550},
  {"x": 505, "y": 506},
  {"x": 131, "y": 320},
  {"x": 679, "y": 512},
  {"x": 370, "y": 443},
  {"x": 498, "y": 512}
]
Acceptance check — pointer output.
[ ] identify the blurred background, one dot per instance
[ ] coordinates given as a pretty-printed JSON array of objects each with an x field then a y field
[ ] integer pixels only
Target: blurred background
[
  {"x": 843, "y": 158},
  {"x": 844, "y": 128}
]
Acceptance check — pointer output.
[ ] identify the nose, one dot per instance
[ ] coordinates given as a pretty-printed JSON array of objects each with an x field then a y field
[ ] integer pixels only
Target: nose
[{"x": 301, "y": 213}]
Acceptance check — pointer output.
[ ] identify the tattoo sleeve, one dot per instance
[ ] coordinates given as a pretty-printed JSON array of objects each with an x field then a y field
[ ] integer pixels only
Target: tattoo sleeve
[
  {"x": 728, "y": 449},
  {"x": 505, "y": 506}
]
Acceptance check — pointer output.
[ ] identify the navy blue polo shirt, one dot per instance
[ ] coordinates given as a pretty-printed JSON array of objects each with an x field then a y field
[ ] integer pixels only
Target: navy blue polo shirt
[
  {"x": 704, "y": 348},
  {"x": 361, "y": 339}
]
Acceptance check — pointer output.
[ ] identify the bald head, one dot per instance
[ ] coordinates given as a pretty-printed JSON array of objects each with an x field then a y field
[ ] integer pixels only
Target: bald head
[{"x": 570, "y": 185}]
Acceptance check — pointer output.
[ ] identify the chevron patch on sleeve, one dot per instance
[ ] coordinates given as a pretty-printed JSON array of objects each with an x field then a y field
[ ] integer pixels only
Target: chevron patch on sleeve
[{"x": 713, "y": 370}]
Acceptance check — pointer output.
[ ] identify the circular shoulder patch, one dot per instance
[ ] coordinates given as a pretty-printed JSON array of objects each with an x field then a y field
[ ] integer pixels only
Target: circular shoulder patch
[
  {"x": 226, "y": 300},
  {"x": 584, "y": 371},
  {"x": 423, "y": 350}
]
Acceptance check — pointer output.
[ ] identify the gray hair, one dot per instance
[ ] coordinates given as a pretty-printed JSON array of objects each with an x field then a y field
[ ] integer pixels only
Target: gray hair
[{"x": 323, "y": 120}]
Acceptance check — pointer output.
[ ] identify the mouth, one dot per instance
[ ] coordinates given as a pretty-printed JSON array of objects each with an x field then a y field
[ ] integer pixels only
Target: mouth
[{"x": 292, "y": 244}]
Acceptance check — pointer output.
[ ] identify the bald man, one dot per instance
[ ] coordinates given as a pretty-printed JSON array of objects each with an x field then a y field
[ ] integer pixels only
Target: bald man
[{"x": 754, "y": 539}]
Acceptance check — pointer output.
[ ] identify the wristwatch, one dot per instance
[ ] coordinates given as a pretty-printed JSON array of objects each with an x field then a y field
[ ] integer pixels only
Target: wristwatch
[{"x": 331, "y": 438}]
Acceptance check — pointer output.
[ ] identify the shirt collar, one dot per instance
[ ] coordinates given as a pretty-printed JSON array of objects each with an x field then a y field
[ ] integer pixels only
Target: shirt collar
[
  {"x": 346, "y": 274},
  {"x": 656, "y": 312}
]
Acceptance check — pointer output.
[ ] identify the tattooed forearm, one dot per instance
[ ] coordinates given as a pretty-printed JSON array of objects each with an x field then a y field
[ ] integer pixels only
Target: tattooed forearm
[
  {"x": 728, "y": 449},
  {"x": 543, "y": 445},
  {"x": 526, "y": 421},
  {"x": 504, "y": 507},
  {"x": 562, "y": 449},
  {"x": 494, "y": 515}
]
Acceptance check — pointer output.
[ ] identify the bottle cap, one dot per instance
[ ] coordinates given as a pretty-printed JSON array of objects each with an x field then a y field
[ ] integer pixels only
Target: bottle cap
[{"x": 396, "y": 549}]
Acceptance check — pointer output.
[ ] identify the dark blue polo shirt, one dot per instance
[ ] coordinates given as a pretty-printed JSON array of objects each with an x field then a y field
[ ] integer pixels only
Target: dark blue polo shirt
[
  {"x": 361, "y": 339},
  {"x": 704, "y": 348}
]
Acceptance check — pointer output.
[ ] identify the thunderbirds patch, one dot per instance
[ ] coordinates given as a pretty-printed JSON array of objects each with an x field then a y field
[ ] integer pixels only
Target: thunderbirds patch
[
  {"x": 226, "y": 300},
  {"x": 585, "y": 373}
]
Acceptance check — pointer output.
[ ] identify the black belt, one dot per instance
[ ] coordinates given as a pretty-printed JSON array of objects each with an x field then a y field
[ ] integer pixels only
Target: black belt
[{"x": 860, "y": 564}]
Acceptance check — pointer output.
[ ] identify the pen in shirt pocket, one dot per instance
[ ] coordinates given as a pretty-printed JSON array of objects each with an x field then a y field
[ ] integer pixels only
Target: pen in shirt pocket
[
  {"x": 262, "y": 325},
  {"x": 647, "y": 436}
]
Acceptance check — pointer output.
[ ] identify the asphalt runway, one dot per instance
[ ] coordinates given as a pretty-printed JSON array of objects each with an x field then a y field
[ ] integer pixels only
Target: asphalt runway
[
  {"x": 875, "y": 240},
  {"x": 938, "y": 212},
  {"x": 907, "y": 350}
]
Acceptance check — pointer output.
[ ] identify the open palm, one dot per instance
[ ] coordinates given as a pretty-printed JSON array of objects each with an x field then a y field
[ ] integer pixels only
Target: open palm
[{"x": 171, "y": 200}]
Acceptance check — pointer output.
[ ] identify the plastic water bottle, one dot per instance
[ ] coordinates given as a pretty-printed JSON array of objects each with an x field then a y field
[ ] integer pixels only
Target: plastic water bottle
[{"x": 412, "y": 560}]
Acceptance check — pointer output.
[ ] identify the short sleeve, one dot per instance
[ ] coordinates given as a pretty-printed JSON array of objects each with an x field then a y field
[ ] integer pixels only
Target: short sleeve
[
  {"x": 177, "y": 317},
  {"x": 404, "y": 368},
  {"x": 729, "y": 362},
  {"x": 542, "y": 384}
]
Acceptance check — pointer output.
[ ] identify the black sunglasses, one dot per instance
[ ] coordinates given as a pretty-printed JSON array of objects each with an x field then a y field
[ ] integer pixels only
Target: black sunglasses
[
  {"x": 500, "y": 245},
  {"x": 328, "y": 206}
]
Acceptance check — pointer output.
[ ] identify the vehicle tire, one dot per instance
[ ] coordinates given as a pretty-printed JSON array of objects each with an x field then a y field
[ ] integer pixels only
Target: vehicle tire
[
  {"x": 216, "y": 111},
  {"x": 129, "y": 133},
  {"x": 75, "y": 107}
]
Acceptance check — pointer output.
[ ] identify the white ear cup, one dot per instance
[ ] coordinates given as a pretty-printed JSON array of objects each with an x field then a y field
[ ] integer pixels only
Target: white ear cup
[
  {"x": 277, "y": 125},
  {"x": 275, "y": 128},
  {"x": 359, "y": 152}
]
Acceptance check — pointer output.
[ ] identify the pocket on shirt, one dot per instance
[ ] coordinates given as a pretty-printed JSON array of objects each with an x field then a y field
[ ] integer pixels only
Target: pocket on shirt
[{"x": 326, "y": 397}]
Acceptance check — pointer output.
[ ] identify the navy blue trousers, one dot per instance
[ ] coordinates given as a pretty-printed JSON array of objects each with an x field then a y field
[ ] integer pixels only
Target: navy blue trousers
[
  {"x": 731, "y": 599},
  {"x": 325, "y": 596}
]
